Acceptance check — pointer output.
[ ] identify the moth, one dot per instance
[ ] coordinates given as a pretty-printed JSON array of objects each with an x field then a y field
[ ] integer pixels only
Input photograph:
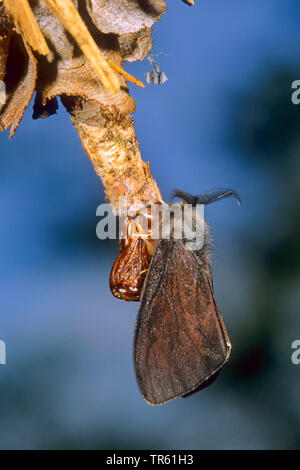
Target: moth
[
  {"x": 155, "y": 76},
  {"x": 181, "y": 342}
]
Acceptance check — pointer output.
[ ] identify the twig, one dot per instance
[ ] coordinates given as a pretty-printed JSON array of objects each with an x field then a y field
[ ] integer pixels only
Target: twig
[{"x": 27, "y": 25}]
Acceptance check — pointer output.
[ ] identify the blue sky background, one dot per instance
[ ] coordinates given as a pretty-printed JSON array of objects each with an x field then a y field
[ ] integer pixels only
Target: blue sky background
[{"x": 69, "y": 379}]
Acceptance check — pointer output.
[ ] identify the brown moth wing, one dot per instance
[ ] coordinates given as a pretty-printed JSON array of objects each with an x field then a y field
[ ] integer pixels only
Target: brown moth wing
[{"x": 180, "y": 337}]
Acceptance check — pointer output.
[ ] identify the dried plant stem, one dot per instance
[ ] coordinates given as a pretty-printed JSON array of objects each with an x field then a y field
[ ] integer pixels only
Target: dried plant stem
[
  {"x": 115, "y": 154},
  {"x": 27, "y": 25},
  {"x": 129, "y": 77}
]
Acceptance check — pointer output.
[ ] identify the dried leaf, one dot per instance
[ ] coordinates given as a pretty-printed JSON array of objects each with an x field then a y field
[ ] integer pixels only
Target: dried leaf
[
  {"x": 125, "y": 16},
  {"x": 67, "y": 14},
  {"x": 135, "y": 46},
  {"x": 130, "y": 20},
  {"x": 20, "y": 80},
  {"x": 26, "y": 24},
  {"x": 69, "y": 73}
]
